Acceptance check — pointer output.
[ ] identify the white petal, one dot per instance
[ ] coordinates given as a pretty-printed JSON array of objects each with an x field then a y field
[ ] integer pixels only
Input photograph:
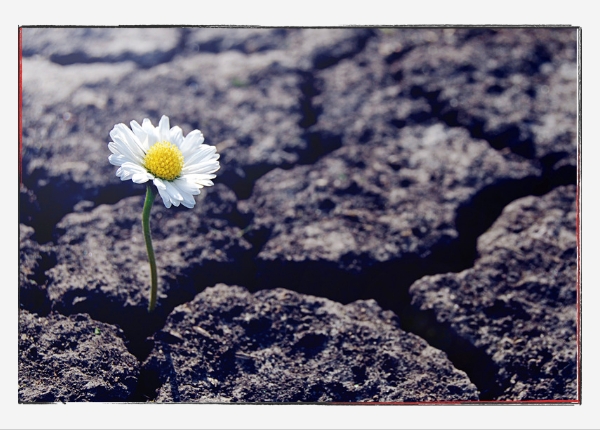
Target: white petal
[
  {"x": 186, "y": 185},
  {"x": 201, "y": 180},
  {"x": 159, "y": 184},
  {"x": 117, "y": 159},
  {"x": 174, "y": 193},
  {"x": 165, "y": 197},
  {"x": 163, "y": 128},
  {"x": 135, "y": 169},
  {"x": 150, "y": 132},
  {"x": 201, "y": 168},
  {"x": 138, "y": 130},
  {"x": 170, "y": 194},
  {"x": 193, "y": 140},
  {"x": 124, "y": 174},
  {"x": 187, "y": 191},
  {"x": 113, "y": 147},
  {"x": 189, "y": 203},
  {"x": 123, "y": 132},
  {"x": 126, "y": 143},
  {"x": 204, "y": 182},
  {"x": 141, "y": 134},
  {"x": 176, "y": 136},
  {"x": 202, "y": 159},
  {"x": 142, "y": 177},
  {"x": 200, "y": 153}
]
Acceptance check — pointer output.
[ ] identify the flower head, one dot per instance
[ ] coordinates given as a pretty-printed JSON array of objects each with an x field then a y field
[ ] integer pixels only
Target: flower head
[{"x": 178, "y": 166}]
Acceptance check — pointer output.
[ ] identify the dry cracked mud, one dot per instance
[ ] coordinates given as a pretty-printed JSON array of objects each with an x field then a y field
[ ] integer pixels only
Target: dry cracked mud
[{"x": 394, "y": 220}]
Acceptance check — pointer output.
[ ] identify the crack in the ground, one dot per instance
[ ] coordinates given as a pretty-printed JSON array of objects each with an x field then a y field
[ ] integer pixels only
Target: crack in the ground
[
  {"x": 388, "y": 282},
  {"x": 349, "y": 48}
]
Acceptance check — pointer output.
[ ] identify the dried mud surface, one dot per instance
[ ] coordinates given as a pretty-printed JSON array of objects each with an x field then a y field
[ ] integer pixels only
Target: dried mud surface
[{"x": 394, "y": 220}]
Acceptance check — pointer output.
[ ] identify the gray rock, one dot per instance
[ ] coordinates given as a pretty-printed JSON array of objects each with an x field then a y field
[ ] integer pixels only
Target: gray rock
[
  {"x": 362, "y": 206},
  {"x": 228, "y": 345},
  {"x": 518, "y": 303},
  {"x": 73, "y": 359},
  {"x": 360, "y": 97}
]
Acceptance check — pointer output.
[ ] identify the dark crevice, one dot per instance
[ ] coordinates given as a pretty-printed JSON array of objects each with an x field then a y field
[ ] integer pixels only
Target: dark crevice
[
  {"x": 270, "y": 39},
  {"x": 32, "y": 296},
  {"x": 397, "y": 55},
  {"x": 242, "y": 180},
  {"x": 308, "y": 90},
  {"x": 478, "y": 365},
  {"x": 477, "y": 216},
  {"x": 144, "y": 60},
  {"x": 350, "y": 47},
  {"x": 508, "y": 136},
  {"x": 554, "y": 176},
  {"x": 47, "y": 210},
  {"x": 318, "y": 144},
  {"x": 149, "y": 382}
]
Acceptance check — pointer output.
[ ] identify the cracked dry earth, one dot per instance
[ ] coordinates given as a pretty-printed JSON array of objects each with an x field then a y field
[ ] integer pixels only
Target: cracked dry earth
[{"x": 395, "y": 218}]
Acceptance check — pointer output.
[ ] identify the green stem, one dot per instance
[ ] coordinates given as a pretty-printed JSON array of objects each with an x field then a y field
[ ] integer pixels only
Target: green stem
[{"x": 150, "y": 195}]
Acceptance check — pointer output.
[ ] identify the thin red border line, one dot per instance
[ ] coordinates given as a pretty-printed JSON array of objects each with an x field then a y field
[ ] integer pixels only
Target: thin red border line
[
  {"x": 578, "y": 280},
  {"x": 578, "y": 285},
  {"x": 459, "y": 402},
  {"x": 20, "y": 102}
]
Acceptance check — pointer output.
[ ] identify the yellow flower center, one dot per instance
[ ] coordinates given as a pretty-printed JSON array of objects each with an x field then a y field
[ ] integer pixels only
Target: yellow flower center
[{"x": 164, "y": 160}]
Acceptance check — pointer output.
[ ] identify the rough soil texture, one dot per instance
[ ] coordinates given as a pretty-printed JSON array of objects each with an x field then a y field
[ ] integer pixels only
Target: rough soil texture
[
  {"x": 355, "y": 162},
  {"x": 279, "y": 346},
  {"x": 518, "y": 303},
  {"x": 73, "y": 359}
]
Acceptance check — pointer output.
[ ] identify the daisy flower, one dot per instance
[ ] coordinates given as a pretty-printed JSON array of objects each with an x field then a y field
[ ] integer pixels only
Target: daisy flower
[{"x": 177, "y": 166}]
